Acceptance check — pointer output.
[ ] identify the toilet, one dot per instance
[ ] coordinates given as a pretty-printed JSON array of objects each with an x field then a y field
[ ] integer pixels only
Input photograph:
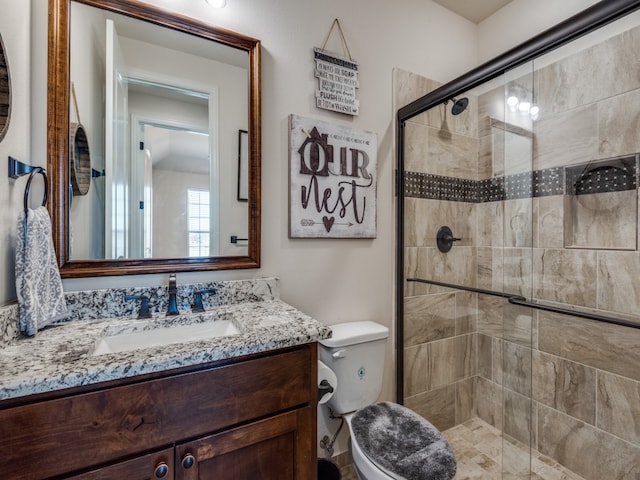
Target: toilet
[{"x": 387, "y": 440}]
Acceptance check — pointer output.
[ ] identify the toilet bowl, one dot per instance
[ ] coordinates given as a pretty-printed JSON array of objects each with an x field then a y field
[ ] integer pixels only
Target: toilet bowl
[{"x": 380, "y": 444}]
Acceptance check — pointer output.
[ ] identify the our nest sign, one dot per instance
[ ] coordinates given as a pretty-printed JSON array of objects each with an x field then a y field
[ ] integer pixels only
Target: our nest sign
[{"x": 332, "y": 180}]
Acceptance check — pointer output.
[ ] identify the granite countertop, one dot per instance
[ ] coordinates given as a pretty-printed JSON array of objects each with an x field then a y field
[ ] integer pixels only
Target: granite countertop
[{"x": 61, "y": 357}]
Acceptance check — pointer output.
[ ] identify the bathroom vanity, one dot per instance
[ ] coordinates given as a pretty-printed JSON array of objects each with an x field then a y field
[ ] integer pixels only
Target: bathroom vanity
[
  {"x": 252, "y": 418},
  {"x": 230, "y": 407}
]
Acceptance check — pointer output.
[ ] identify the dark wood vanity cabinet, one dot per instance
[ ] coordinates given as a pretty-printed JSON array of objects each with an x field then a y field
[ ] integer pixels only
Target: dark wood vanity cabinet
[{"x": 251, "y": 419}]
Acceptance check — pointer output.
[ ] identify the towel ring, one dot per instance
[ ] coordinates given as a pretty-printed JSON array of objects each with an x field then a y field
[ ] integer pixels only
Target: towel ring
[{"x": 34, "y": 172}]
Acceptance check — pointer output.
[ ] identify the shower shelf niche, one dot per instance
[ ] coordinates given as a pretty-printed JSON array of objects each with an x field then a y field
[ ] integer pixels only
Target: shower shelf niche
[{"x": 601, "y": 204}]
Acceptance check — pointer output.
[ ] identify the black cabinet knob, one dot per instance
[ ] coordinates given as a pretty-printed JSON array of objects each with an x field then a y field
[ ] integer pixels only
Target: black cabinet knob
[
  {"x": 187, "y": 461},
  {"x": 161, "y": 470}
]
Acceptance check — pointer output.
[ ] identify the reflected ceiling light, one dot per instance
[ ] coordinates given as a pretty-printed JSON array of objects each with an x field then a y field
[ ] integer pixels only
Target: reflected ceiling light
[
  {"x": 524, "y": 107},
  {"x": 520, "y": 102},
  {"x": 217, "y": 3}
]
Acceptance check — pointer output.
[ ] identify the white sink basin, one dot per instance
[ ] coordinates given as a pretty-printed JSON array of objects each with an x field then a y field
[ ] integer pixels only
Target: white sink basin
[{"x": 125, "y": 342}]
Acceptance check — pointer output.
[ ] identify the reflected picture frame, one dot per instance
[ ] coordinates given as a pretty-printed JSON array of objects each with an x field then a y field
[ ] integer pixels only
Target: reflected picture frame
[{"x": 243, "y": 166}]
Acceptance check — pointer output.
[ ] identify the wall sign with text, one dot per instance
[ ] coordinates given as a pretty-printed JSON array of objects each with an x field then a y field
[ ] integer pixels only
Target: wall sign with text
[
  {"x": 337, "y": 83},
  {"x": 332, "y": 180}
]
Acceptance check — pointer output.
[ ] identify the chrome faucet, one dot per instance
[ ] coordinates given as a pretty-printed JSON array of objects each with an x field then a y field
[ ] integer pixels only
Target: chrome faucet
[{"x": 173, "y": 291}]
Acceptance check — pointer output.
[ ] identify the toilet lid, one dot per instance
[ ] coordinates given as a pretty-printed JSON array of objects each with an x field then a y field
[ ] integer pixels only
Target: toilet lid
[{"x": 403, "y": 442}]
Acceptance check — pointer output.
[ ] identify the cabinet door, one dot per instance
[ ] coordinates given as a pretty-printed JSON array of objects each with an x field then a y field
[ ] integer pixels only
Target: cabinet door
[
  {"x": 154, "y": 466},
  {"x": 277, "y": 448}
]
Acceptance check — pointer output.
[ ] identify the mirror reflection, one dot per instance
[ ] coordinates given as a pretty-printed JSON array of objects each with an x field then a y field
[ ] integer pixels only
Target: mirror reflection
[{"x": 162, "y": 112}]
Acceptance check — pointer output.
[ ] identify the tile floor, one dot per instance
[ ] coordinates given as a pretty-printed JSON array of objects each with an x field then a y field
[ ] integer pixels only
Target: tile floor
[
  {"x": 348, "y": 473},
  {"x": 482, "y": 454},
  {"x": 479, "y": 450}
]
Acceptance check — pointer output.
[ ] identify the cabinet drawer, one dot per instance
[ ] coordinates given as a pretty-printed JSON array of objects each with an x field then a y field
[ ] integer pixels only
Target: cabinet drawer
[
  {"x": 76, "y": 432},
  {"x": 157, "y": 465}
]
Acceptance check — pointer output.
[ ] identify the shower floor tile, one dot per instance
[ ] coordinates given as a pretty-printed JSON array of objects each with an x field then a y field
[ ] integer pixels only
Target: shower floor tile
[{"x": 480, "y": 452}]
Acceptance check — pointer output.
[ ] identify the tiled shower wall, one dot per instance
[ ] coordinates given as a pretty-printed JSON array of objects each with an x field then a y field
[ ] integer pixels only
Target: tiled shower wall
[{"x": 568, "y": 387}]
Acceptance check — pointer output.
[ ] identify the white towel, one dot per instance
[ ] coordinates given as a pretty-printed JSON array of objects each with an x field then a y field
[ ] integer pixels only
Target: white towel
[{"x": 38, "y": 284}]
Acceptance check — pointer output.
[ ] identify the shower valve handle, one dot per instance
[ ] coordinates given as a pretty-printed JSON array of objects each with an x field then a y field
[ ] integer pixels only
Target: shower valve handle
[{"x": 445, "y": 239}]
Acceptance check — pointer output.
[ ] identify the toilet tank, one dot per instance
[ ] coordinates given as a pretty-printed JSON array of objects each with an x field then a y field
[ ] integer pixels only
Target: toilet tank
[{"x": 355, "y": 353}]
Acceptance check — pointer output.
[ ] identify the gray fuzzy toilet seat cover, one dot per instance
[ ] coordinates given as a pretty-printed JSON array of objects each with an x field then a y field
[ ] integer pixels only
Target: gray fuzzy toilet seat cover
[{"x": 403, "y": 442}]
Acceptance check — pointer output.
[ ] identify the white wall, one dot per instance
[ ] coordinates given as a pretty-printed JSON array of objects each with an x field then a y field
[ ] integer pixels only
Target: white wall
[
  {"x": 332, "y": 280},
  {"x": 14, "y": 28},
  {"x": 520, "y": 20}
]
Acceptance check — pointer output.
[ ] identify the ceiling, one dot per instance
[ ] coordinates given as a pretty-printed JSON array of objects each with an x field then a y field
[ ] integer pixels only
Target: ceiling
[
  {"x": 177, "y": 150},
  {"x": 473, "y": 10}
]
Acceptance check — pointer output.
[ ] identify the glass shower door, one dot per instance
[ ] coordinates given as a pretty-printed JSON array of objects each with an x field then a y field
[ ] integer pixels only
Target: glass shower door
[{"x": 521, "y": 341}]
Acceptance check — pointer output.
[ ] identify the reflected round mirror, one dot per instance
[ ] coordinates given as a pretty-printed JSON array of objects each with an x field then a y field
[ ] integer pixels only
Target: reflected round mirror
[
  {"x": 5, "y": 92},
  {"x": 161, "y": 100}
]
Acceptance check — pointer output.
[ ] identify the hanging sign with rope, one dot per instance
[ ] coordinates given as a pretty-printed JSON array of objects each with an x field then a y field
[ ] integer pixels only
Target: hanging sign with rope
[{"x": 337, "y": 77}]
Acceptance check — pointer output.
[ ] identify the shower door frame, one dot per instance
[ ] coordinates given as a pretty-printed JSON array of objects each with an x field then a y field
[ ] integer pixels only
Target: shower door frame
[{"x": 563, "y": 33}]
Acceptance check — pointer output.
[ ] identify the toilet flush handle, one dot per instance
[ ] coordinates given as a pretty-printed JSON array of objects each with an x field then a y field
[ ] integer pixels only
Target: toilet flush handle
[
  {"x": 339, "y": 354},
  {"x": 324, "y": 387}
]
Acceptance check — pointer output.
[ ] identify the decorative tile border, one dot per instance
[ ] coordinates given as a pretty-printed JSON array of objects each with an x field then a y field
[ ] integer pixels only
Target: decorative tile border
[
  {"x": 549, "y": 182},
  {"x": 424, "y": 185},
  {"x": 612, "y": 175}
]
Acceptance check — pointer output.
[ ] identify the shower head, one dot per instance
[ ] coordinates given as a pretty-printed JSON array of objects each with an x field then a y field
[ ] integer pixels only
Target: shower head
[{"x": 459, "y": 105}]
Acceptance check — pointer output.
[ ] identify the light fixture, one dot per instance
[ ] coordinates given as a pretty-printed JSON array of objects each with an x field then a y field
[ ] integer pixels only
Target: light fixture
[{"x": 217, "y": 3}]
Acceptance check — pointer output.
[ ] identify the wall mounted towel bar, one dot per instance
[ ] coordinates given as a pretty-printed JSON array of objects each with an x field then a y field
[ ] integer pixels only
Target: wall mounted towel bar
[
  {"x": 19, "y": 169},
  {"x": 519, "y": 300}
]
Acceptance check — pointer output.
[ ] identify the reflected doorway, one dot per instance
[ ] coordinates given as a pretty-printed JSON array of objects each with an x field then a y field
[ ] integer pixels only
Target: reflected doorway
[{"x": 172, "y": 162}]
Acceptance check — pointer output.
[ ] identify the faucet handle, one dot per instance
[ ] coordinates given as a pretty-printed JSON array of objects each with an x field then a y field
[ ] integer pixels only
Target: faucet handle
[
  {"x": 197, "y": 301},
  {"x": 172, "y": 307},
  {"x": 144, "y": 305}
]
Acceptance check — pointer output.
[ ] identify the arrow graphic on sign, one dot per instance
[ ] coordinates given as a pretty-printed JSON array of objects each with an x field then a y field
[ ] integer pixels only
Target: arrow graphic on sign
[{"x": 328, "y": 222}]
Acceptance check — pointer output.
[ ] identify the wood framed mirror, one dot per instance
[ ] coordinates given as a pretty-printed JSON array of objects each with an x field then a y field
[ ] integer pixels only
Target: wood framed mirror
[{"x": 64, "y": 110}]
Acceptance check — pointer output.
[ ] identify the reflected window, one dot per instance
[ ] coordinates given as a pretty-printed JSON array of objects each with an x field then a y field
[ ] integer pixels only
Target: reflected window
[{"x": 199, "y": 224}]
